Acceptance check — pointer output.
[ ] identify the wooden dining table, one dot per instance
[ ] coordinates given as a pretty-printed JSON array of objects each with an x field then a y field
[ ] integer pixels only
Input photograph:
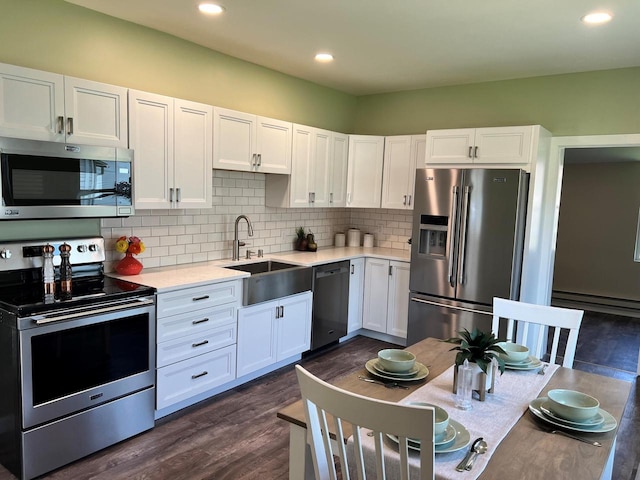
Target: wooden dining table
[{"x": 528, "y": 452}]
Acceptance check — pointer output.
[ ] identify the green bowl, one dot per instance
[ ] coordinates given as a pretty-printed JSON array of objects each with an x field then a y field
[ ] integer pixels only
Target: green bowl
[
  {"x": 572, "y": 405},
  {"x": 441, "y": 417},
  {"x": 514, "y": 352},
  {"x": 395, "y": 360}
]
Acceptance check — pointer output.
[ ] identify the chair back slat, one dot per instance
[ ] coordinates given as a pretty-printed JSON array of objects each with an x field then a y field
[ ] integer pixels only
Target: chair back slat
[
  {"x": 526, "y": 315},
  {"x": 381, "y": 417}
]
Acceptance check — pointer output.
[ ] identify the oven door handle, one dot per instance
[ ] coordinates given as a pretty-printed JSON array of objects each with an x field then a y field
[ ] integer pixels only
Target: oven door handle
[{"x": 44, "y": 319}]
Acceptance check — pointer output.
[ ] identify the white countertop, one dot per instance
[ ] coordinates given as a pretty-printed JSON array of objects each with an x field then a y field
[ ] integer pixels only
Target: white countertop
[{"x": 165, "y": 279}]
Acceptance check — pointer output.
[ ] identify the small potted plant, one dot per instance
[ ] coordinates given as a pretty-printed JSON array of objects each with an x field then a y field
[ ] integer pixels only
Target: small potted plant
[
  {"x": 479, "y": 348},
  {"x": 301, "y": 240}
]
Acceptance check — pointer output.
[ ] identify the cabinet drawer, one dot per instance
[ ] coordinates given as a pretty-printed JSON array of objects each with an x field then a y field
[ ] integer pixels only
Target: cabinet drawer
[
  {"x": 197, "y": 344},
  {"x": 185, "y": 379},
  {"x": 206, "y": 296},
  {"x": 197, "y": 321}
]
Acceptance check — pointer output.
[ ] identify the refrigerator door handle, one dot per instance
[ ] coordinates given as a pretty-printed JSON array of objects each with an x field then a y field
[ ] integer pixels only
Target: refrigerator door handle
[
  {"x": 463, "y": 309},
  {"x": 454, "y": 222},
  {"x": 463, "y": 233}
]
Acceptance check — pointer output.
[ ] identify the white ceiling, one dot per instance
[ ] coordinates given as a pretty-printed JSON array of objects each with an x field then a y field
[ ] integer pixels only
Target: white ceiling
[{"x": 391, "y": 45}]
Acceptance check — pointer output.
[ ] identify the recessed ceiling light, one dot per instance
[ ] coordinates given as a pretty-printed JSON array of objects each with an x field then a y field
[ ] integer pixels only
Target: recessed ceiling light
[
  {"x": 210, "y": 8},
  {"x": 324, "y": 57},
  {"x": 597, "y": 17}
]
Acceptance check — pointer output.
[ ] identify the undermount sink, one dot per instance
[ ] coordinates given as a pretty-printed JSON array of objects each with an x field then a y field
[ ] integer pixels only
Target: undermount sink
[
  {"x": 262, "y": 267},
  {"x": 270, "y": 280}
]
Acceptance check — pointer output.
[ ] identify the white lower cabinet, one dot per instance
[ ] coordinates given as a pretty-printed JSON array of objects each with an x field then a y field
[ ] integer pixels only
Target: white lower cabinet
[
  {"x": 356, "y": 287},
  {"x": 195, "y": 340},
  {"x": 386, "y": 296},
  {"x": 273, "y": 331}
]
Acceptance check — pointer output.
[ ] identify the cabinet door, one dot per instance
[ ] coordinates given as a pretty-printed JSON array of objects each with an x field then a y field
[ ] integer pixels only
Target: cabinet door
[
  {"x": 398, "y": 303},
  {"x": 450, "y": 146},
  {"x": 321, "y": 167},
  {"x": 356, "y": 294},
  {"x": 301, "y": 167},
  {"x": 399, "y": 167},
  {"x": 418, "y": 151},
  {"x": 151, "y": 138},
  {"x": 339, "y": 165},
  {"x": 294, "y": 326},
  {"x": 256, "y": 337},
  {"x": 364, "y": 183},
  {"x": 376, "y": 284},
  {"x": 273, "y": 145},
  {"x": 96, "y": 113},
  {"x": 31, "y": 104},
  {"x": 503, "y": 145},
  {"x": 234, "y": 140},
  {"x": 193, "y": 155}
]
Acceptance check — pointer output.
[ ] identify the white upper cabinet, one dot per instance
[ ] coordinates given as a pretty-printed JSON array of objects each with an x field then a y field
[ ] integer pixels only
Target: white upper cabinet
[
  {"x": 173, "y": 151},
  {"x": 364, "y": 179},
  {"x": 481, "y": 146},
  {"x": 401, "y": 156},
  {"x": 250, "y": 143},
  {"x": 318, "y": 171},
  {"x": 45, "y": 106}
]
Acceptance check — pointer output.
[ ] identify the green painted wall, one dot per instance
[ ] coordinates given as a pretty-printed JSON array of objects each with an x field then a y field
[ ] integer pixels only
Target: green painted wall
[
  {"x": 60, "y": 37},
  {"x": 592, "y": 103}
]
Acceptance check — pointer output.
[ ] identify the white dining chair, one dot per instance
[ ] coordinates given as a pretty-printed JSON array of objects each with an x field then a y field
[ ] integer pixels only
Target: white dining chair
[
  {"x": 327, "y": 406},
  {"x": 525, "y": 314}
]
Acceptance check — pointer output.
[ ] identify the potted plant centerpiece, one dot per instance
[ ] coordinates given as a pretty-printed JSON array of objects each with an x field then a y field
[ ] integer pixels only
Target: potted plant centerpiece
[
  {"x": 481, "y": 349},
  {"x": 301, "y": 239}
]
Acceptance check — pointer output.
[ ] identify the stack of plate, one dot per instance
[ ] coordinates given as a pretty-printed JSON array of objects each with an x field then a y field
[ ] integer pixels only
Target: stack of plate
[
  {"x": 602, "y": 422},
  {"x": 530, "y": 363},
  {"x": 455, "y": 438},
  {"x": 418, "y": 372}
]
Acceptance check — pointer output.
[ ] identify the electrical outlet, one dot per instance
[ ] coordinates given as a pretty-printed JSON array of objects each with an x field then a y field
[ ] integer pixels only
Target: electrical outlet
[{"x": 379, "y": 226}]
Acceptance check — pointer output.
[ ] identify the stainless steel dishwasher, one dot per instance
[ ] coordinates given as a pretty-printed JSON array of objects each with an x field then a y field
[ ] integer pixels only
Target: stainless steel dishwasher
[{"x": 330, "y": 303}]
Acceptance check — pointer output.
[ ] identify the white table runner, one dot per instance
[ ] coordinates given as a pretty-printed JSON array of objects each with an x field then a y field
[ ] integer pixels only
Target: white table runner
[{"x": 491, "y": 419}]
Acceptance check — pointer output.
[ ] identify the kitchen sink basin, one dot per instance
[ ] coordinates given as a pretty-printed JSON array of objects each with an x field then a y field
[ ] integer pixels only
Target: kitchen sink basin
[{"x": 270, "y": 280}]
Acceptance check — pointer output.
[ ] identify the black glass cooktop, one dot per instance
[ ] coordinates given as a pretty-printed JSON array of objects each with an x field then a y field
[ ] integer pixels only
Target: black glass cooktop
[{"x": 23, "y": 293}]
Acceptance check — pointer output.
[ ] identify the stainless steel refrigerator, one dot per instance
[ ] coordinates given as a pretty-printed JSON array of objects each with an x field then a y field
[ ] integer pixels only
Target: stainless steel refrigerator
[{"x": 467, "y": 244}]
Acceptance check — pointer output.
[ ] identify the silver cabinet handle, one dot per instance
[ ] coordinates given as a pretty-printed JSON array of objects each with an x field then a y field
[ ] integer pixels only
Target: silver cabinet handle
[
  {"x": 390, "y": 270},
  {"x": 475, "y": 152},
  {"x": 452, "y": 228},
  {"x": 310, "y": 200},
  {"x": 352, "y": 270},
  {"x": 463, "y": 233},
  {"x": 253, "y": 160},
  {"x": 470, "y": 152},
  {"x": 404, "y": 202},
  {"x": 60, "y": 124},
  {"x": 171, "y": 195},
  {"x": 259, "y": 159},
  {"x": 200, "y": 344},
  {"x": 409, "y": 200},
  {"x": 281, "y": 311},
  {"x": 178, "y": 196},
  {"x": 277, "y": 312},
  {"x": 313, "y": 197},
  {"x": 331, "y": 197},
  {"x": 193, "y": 377},
  {"x": 69, "y": 126}
]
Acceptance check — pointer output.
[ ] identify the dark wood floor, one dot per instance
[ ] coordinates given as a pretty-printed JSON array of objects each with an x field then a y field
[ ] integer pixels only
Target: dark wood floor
[{"x": 236, "y": 436}]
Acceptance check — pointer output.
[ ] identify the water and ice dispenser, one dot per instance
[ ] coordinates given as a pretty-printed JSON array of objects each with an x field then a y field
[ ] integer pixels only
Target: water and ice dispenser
[{"x": 433, "y": 235}]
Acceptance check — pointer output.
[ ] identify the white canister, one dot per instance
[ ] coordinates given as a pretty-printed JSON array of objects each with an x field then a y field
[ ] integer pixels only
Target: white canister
[
  {"x": 367, "y": 241},
  {"x": 353, "y": 237},
  {"x": 339, "y": 240}
]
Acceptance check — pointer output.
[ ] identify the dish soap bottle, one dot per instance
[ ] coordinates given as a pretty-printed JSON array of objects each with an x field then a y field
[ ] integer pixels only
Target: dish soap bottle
[
  {"x": 65, "y": 272},
  {"x": 48, "y": 274}
]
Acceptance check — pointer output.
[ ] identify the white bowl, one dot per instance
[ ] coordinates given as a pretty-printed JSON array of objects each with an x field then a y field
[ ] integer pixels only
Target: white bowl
[
  {"x": 572, "y": 405},
  {"x": 395, "y": 360},
  {"x": 514, "y": 352},
  {"x": 441, "y": 417}
]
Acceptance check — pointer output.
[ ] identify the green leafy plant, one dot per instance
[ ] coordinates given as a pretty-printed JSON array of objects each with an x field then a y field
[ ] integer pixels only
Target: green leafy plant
[
  {"x": 300, "y": 233},
  {"x": 477, "y": 347}
]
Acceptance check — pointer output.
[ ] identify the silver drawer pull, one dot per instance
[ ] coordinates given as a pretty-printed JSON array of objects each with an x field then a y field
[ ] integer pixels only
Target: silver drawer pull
[
  {"x": 204, "y": 297},
  {"x": 193, "y": 377},
  {"x": 194, "y": 345},
  {"x": 196, "y": 322}
]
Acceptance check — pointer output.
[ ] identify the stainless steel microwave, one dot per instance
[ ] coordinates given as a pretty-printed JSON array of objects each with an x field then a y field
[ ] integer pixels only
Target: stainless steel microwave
[{"x": 41, "y": 180}]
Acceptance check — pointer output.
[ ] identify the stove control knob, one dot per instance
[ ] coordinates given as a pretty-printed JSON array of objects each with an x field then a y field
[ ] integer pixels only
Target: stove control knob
[
  {"x": 5, "y": 254},
  {"x": 93, "y": 247},
  {"x": 82, "y": 248}
]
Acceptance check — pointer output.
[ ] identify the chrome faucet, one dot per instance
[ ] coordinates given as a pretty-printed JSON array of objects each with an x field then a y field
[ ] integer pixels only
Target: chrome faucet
[{"x": 236, "y": 243}]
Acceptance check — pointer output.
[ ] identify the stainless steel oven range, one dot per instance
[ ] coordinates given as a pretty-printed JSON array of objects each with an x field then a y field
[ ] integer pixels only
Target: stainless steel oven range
[{"x": 76, "y": 375}]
